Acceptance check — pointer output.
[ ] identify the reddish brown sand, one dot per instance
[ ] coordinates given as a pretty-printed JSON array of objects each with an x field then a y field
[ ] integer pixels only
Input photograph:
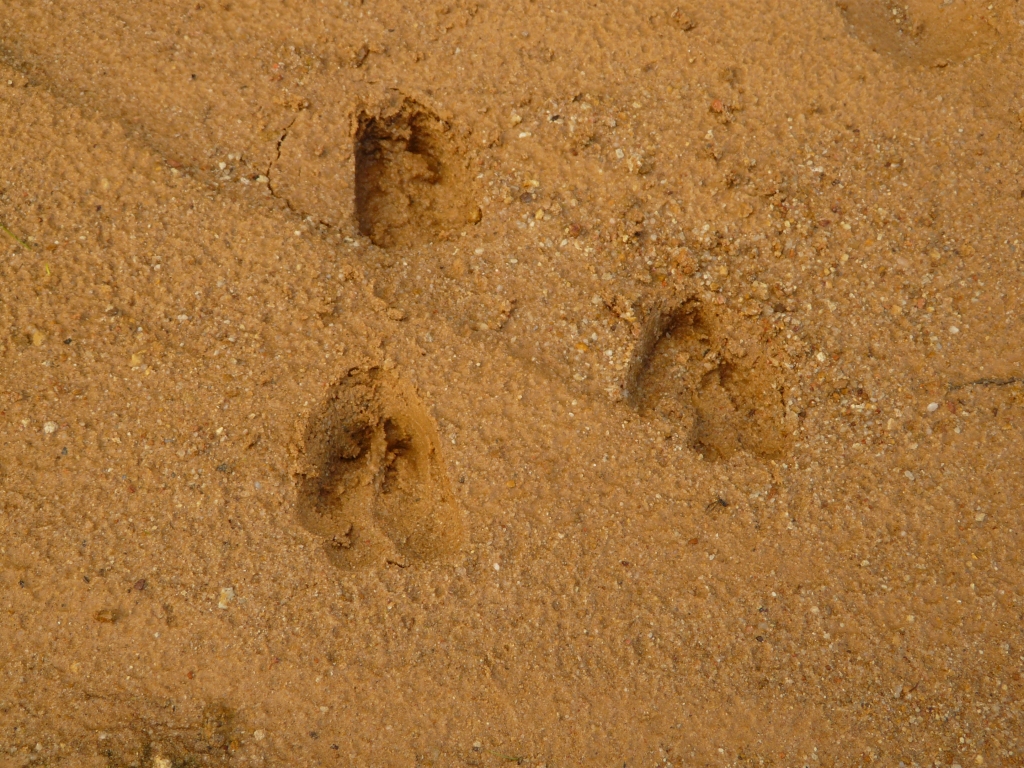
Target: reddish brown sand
[{"x": 476, "y": 383}]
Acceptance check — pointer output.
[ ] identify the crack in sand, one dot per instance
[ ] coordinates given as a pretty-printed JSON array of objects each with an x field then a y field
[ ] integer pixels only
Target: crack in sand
[
  {"x": 270, "y": 182},
  {"x": 270, "y": 166},
  {"x": 987, "y": 382}
]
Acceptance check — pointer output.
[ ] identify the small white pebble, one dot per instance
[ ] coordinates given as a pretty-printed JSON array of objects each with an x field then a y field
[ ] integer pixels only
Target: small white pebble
[
  {"x": 980, "y": 517},
  {"x": 954, "y": 329},
  {"x": 909, "y": 475},
  {"x": 227, "y": 595},
  {"x": 933, "y": 407},
  {"x": 49, "y": 427},
  {"x": 821, "y": 357},
  {"x": 259, "y": 735},
  {"x": 497, "y": 567}
]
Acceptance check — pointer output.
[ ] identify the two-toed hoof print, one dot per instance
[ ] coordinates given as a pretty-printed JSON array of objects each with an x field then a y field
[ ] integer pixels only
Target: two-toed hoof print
[
  {"x": 389, "y": 167},
  {"x": 413, "y": 184},
  {"x": 370, "y": 481},
  {"x": 704, "y": 371}
]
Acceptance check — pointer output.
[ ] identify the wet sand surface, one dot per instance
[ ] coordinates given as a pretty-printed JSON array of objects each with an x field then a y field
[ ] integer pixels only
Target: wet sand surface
[{"x": 468, "y": 383}]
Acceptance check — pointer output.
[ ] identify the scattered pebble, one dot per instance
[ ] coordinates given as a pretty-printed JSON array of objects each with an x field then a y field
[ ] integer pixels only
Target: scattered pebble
[
  {"x": 933, "y": 407},
  {"x": 259, "y": 735},
  {"x": 682, "y": 21},
  {"x": 227, "y": 595},
  {"x": 49, "y": 427}
]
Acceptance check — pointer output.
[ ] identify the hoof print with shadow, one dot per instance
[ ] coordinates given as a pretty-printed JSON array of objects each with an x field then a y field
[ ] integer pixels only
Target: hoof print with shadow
[
  {"x": 370, "y": 482},
  {"x": 705, "y": 371},
  {"x": 413, "y": 184}
]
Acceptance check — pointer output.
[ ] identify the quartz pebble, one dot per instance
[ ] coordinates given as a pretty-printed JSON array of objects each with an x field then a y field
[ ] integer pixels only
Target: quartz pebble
[
  {"x": 227, "y": 595},
  {"x": 49, "y": 427}
]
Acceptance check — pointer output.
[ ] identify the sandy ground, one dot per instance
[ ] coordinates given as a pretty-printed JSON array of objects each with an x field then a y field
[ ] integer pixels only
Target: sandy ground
[{"x": 468, "y": 383}]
